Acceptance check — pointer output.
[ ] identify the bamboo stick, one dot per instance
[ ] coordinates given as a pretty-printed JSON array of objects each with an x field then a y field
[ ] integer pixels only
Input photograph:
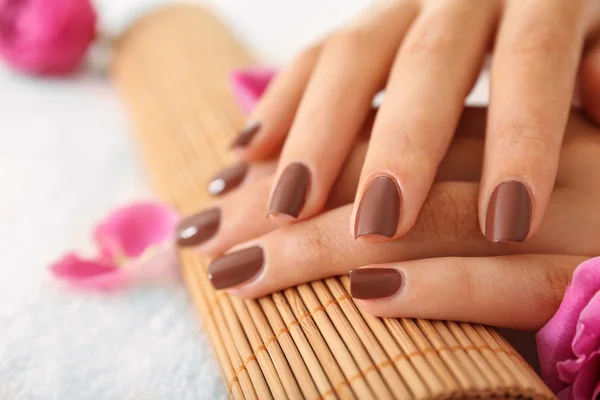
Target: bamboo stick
[
  {"x": 267, "y": 340},
  {"x": 336, "y": 344},
  {"x": 291, "y": 336},
  {"x": 295, "y": 313}
]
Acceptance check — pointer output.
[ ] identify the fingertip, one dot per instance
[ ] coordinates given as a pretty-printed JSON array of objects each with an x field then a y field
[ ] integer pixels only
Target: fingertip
[
  {"x": 290, "y": 193},
  {"x": 378, "y": 213},
  {"x": 375, "y": 283},
  {"x": 509, "y": 212}
]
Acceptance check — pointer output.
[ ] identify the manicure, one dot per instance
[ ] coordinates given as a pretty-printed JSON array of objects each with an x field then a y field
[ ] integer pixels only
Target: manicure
[
  {"x": 235, "y": 268},
  {"x": 290, "y": 194},
  {"x": 246, "y": 134},
  {"x": 374, "y": 283},
  {"x": 198, "y": 228},
  {"x": 228, "y": 179},
  {"x": 379, "y": 209},
  {"x": 509, "y": 213}
]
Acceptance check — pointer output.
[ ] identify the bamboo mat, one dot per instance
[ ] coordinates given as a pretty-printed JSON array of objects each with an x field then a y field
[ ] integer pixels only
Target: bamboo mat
[{"x": 310, "y": 341}]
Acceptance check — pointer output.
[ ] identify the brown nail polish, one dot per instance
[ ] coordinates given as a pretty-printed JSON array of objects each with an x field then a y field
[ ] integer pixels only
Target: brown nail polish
[
  {"x": 379, "y": 209},
  {"x": 235, "y": 268},
  {"x": 228, "y": 179},
  {"x": 198, "y": 228},
  {"x": 374, "y": 283},
  {"x": 290, "y": 193},
  {"x": 509, "y": 213},
  {"x": 246, "y": 135}
]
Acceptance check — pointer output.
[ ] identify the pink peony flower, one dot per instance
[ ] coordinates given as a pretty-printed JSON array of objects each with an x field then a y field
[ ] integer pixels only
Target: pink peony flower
[
  {"x": 569, "y": 344},
  {"x": 249, "y": 84},
  {"x": 135, "y": 245},
  {"x": 46, "y": 37}
]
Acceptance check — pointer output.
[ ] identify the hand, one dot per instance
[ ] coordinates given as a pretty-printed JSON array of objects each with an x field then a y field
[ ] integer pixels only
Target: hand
[
  {"x": 520, "y": 287},
  {"x": 427, "y": 54}
]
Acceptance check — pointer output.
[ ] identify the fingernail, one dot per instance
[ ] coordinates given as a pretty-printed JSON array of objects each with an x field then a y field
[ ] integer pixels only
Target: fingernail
[
  {"x": 374, "y": 283},
  {"x": 379, "y": 209},
  {"x": 198, "y": 228},
  {"x": 235, "y": 268},
  {"x": 227, "y": 179},
  {"x": 290, "y": 193},
  {"x": 509, "y": 213},
  {"x": 246, "y": 135}
]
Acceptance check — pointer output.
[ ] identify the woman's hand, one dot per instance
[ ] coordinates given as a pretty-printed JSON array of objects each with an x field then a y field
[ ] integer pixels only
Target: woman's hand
[
  {"x": 427, "y": 54},
  {"x": 522, "y": 286}
]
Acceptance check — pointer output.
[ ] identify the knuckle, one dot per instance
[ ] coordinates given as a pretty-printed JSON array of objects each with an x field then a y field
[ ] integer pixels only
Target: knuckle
[
  {"x": 536, "y": 45},
  {"x": 446, "y": 217},
  {"x": 469, "y": 285},
  {"x": 311, "y": 245},
  {"x": 415, "y": 154},
  {"x": 532, "y": 137},
  {"x": 551, "y": 292},
  {"x": 428, "y": 43}
]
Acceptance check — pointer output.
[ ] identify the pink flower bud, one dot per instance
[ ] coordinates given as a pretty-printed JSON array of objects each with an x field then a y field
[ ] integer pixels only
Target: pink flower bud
[{"x": 46, "y": 37}]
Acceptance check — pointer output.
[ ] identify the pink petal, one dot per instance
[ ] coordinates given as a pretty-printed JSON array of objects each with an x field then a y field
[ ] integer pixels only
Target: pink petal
[
  {"x": 569, "y": 369},
  {"x": 158, "y": 266},
  {"x": 587, "y": 335},
  {"x": 130, "y": 230},
  {"x": 565, "y": 394},
  {"x": 88, "y": 274},
  {"x": 587, "y": 384},
  {"x": 249, "y": 84},
  {"x": 555, "y": 339},
  {"x": 73, "y": 267}
]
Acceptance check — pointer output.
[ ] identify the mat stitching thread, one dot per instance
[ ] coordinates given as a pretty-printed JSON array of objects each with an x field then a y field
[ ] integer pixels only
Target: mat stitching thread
[{"x": 369, "y": 369}]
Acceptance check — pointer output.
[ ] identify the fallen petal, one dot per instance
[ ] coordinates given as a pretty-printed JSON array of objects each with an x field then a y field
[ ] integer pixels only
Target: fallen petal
[
  {"x": 72, "y": 267},
  {"x": 88, "y": 274}
]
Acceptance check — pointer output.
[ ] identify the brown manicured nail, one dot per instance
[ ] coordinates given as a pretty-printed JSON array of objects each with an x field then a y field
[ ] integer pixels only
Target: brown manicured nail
[
  {"x": 246, "y": 135},
  {"x": 290, "y": 193},
  {"x": 235, "y": 268},
  {"x": 228, "y": 179},
  {"x": 509, "y": 213},
  {"x": 379, "y": 209},
  {"x": 374, "y": 283},
  {"x": 198, "y": 228}
]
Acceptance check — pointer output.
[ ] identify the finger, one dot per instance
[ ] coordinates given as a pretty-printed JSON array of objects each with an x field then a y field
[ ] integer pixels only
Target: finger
[
  {"x": 352, "y": 68},
  {"x": 270, "y": 121},
  {"x": 239, "y": 174},
  {"x": 321, "y": 247},
  {"x": 532, "y": 82},
  {"x": 520, "y": 291},
  {"x": 434, "y": 71}
]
